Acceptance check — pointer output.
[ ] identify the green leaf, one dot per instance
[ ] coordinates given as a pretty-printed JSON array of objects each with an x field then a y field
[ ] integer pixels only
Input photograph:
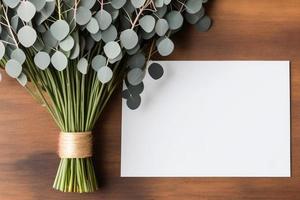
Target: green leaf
[
  {"x": 27, "y": 36},
  {"x": 104, "y": 74},
  {"x": 42, "y": 60},
  {"x": 60, "y": 29},
  {"x": 112, "y": 49},
  {"x": 59, "y": 61},
  {"x": 147, "y": 22},
  {"x": 82, "y": 65},
  {"x": 18, "y": 55},
  {"x": 83, "y": 15},
  {"x": 104, "y": 19},
  {"x": 161, "y": 27},
  {"x": 129, "y": 39},
  {"x": 138, "y": 3},
  {"x": 193, "y": 6},
  {"x": 26, "y": 11},
  {"x": 174, "y": 19},
  {"x": 203, "y": 24},
  {"x": 13, "y": 68},
  {"x": 165, "y": 47}
]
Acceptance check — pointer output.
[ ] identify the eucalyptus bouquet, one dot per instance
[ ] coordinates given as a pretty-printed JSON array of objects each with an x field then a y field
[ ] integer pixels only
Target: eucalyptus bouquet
[{"x": 71, "y": 55}]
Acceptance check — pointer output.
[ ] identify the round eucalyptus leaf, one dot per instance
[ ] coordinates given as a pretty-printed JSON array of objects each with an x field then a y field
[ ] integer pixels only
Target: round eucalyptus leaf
[
  {"x": 18, "y": 55},
  {"x": 22, "y": 79},
  {"x": 136, "y": 89},
  {"x": 27, "y": 36},
  {"x": 203, "y": 24},
  {"x": 159, "y": 39},
  {"x": 87, "y": 3},
  {"x": 138, "y": 3},
  {"x": 13, "y": 68},
  {"x": 46, "y": 12},
  {"x": 129, "y": 39},
  {"x": 83, "y": 15},
  {"x": 161, "y": 11},
  {"x": 112, "y": 11},
  {"x": 82, "y": 65},
  {"x": 175, "y": 20},
  {"x": 148, "y": 36},
  {"x": 165, "y": 47},
  {"x": 93, "y": 26},
  {"x": 117, "y": 4},
  {"x": 119, "y": 57},
  {"x": 156, "y": 71},
  {"x": 133, "y": 102},
  {"x": 147, "y": 23},
  {"x": 14, "y": 22},
  {"x": 59, "y": 61},
  {"x": 193, "y": 6},
  {"x": 26, "y": 11},
  {"x": 41, "y": 28},
  {"x": 104, "y": 74},
  {"x": 159, "y": 3},
  {"x": 97, "y": 36},
  {"x": 167, "y": 2},
  {"x": 161, "y": 27},
  {"x": 11, "y": 3},
  {"x": 75, "y": 51},
  {"x": 112, "y": 49},
  {"x": 67, "y": 44},
  {"x": 128, "y": 7},
  {"x": 194, "y": 18},
  {"x": 135, "y": 76},
  {"x": 98, "y": 62},
  {"x": 60, "y": 29},
  {"x": 104, "y": 19},
  {"x": 137, "y": 60},
  {"x": 42, "y": 60},
  {"x": 49, "y": 40},
  {"x": 110, "y": 34},
  {"x": 125, "y": 94},
  {"x": 2, "y": 50},
  {"x": 133, "y": 50},
  {"x": 39, "y": 4}
]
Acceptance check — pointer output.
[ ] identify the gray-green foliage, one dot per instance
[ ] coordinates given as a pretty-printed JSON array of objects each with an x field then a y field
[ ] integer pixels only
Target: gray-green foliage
[
  {"x": 77, "y": 52},
  {"x": 127, "y": 27}
]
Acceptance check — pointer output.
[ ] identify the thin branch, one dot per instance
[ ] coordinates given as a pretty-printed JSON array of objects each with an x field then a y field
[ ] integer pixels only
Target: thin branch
[
  {"x": 59, "y": 8},
  {"x": 10, "y": 30},
  {"x": 7, "y": 42}
]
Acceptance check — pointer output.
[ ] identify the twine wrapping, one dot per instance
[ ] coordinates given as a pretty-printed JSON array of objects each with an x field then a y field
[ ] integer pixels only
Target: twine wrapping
[{"x": 75, "y": 145}]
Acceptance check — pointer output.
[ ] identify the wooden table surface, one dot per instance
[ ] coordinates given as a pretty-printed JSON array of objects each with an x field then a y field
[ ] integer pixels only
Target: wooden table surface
[{"x": 243, "y": 30}]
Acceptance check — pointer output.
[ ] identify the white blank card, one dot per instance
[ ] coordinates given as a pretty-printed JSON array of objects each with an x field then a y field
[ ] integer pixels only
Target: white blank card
[{"x": 210, "y": 119}]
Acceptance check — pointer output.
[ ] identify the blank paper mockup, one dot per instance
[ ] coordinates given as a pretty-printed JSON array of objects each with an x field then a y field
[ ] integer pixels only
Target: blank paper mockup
[{"x": 210, "y": 119}]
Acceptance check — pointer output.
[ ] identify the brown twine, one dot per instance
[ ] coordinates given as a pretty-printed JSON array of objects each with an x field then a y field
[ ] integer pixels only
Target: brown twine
[{"x": 75, "y": 145}]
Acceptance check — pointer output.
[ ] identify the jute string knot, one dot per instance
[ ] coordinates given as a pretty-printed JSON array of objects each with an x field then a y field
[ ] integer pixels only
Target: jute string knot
[{"x": 75, "y": 145}]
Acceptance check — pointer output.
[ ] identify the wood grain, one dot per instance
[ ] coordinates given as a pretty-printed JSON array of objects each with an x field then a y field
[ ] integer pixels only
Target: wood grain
[{"x": 243, "y": 30}]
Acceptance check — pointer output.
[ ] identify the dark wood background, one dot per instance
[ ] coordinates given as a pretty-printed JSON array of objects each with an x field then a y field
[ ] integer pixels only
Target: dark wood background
[{"x": 243, "y": 30}]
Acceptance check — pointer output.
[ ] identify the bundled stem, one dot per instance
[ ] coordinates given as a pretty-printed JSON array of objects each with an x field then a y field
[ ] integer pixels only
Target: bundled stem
[{"x": 75, "y": 102}]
